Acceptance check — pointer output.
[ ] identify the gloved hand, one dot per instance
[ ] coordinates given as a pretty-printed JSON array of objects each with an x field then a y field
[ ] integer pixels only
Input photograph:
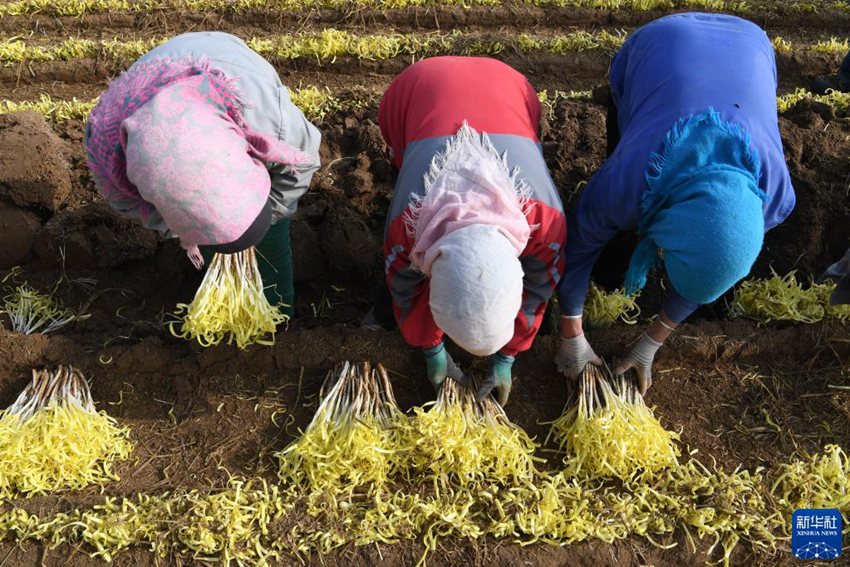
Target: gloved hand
[
  {"x": 574, "y": 354},
  {"x": 439, "y": 365},
  {"x": 498, "y": 377},
  {"x": 640, "y": 358}
]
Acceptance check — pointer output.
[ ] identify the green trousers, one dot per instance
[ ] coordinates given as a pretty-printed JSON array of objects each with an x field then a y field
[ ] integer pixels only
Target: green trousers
[{"x": 274, "y": 257}]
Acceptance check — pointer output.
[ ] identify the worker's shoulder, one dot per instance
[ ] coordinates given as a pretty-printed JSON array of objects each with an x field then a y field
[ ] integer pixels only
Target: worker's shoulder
[
  {"x": 448, "y": 65},
  {"x": 702, "y": 22},
  {"x": 220, "y": 48}
]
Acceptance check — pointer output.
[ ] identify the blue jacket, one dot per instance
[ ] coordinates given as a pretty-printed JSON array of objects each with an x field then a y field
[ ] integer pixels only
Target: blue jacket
[{"x": 669, "y": 69}]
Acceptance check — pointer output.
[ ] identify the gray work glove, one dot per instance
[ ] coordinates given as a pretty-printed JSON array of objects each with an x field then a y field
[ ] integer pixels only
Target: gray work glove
[
  {"x": 573, "y": 355},
  {"x": 640, "y": 358}
]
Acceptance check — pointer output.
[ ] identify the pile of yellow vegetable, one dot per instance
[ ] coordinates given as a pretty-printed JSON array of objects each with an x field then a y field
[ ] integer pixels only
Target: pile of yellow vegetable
[
  {"x": 230, "y": 303},
  {"x": 364, "y": 472},
  {"x": 611, "y": 432},
  {"x": 52, "y": 437},
  {"x": 352, "y": 438},
  {"x": 30, "y": 311},
  {"x": 603, "y": 309},
  {"x": 375, "y": 474},
  {"x": 783, "y": 298},
  {"x": 231, "y": 525}
]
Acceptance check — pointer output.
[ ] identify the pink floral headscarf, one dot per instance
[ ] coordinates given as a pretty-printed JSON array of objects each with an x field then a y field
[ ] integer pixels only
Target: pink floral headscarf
[{"x": 168, "y": 138}]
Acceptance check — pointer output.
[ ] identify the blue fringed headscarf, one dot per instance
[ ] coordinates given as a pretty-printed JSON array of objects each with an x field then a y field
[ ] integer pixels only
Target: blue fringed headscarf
[{"x": 703, "y": 210}]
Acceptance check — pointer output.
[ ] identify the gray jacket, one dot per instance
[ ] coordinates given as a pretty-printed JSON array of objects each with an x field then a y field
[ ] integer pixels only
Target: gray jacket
[{"x": 269, "y": 109}]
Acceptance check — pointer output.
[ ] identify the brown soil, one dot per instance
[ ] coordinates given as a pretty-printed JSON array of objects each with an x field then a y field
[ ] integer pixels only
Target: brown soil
[
  {"x": 34, "y": 170},
  {"x": 717, "y": 380}
]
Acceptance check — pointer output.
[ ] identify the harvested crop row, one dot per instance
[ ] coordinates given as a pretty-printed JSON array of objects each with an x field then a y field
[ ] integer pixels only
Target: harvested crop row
[
  {"x": 325, "y": 46},
  {"x": 837, "y": 100},
  {"x": 331, "y": 44},
  {"x": 316, "y": 103},
  {"x": 82, "y": 7}
]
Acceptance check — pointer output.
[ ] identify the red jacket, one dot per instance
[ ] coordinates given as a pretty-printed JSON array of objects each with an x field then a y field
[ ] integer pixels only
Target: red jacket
[{"x": 424, "y": 106}]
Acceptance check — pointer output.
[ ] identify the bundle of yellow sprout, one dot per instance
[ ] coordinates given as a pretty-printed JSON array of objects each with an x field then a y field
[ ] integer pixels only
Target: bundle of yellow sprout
[
  {"x": 32, "y": 312},
  {"x": 347, "y": 460},
  {"x": 352, "y": 438},
  {"x": 460, "y": 440},
  {"x": 782, "y": 298},
  {"x": 479, "y": 468},
  {"x": 230, "y": 303},
  {"x": 610, "y": 432},
  {"x": 602, "y": 309},
  {"x": 52, "y": 437}
]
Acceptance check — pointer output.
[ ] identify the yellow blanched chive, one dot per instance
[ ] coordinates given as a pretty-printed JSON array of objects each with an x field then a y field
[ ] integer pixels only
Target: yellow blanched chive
[
  {"x": 463, "y": 441},
  {"x": 602, "y": 309},
  {"x": 351, "y": 441},
  {"x": 820, "y": 481},
  {"x": 837, "y": 100},
  {"x": 315, "y": 103},
  {"x": 832, "y": 45},
  {"x": 56, "y": 110},
  {"x": 230, "y": 525},
  {"x": 33, "y": 312},
  {"x": 783, "y": 298},
  {"x": 52, "y": 437},
  {"x": 230, "y": 304},
  {"x": 611, "y": 433}
]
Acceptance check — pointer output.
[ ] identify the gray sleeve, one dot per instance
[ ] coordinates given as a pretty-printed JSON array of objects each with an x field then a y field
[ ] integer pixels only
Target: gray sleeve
[
  {"x": 268, "y": 109},
  {"x": 289, "y": 185}
]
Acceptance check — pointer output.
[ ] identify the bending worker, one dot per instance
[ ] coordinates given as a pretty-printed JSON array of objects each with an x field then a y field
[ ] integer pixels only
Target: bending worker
[
  {"x": 697, "y": 170},
  {"x": 474, "y": 236},
  {"x": 200, "y": 141}
]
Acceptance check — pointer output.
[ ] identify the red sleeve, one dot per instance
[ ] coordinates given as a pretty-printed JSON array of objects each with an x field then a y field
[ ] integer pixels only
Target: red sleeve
[
  {"x": 409, "y": 289},
  {"x": 542, "y": 263}
]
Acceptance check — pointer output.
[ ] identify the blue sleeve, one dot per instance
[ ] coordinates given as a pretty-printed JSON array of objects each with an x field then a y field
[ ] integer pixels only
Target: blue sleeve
[
  {"x": 609, "y": 204},
  {"x": 677, "y": 308}
]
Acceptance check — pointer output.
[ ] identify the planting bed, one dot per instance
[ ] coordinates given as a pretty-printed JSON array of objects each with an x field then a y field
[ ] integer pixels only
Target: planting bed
[{"x": 743, "y": 394}]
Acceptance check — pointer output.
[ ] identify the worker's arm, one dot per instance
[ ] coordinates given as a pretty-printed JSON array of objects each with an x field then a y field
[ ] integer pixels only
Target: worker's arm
[
  {"x": 542, "y": 264},
  {"x": 410, "y": 297},
  {"x": 610, "y": 203},
  {"x": 288, "y": 183}
]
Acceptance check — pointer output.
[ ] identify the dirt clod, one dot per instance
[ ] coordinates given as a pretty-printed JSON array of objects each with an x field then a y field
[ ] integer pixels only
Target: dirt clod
[{"x": 33, "y": 168}]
